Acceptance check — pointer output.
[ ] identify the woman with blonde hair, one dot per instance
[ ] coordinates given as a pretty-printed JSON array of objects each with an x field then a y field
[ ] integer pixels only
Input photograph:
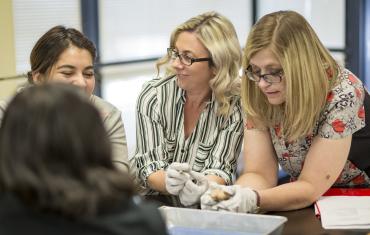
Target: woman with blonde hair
[
  {"x": 189, "y": 124},
  {"x": 304, "y": 112}
]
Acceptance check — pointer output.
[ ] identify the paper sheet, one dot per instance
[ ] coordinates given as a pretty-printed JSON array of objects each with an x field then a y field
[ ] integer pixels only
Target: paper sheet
[{"x": 344, "y": 212}]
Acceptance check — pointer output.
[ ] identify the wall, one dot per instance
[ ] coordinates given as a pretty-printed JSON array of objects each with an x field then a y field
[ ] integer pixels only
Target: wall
[{"x": 7, "y": 50}]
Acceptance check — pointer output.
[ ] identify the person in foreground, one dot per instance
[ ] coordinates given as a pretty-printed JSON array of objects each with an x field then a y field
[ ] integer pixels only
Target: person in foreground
[
  {"x": 190, "y": 124},
  {"x": 304, "y": 112},
  {"x": 56, "y": 177},
  {"x": 66, "y": 55}
]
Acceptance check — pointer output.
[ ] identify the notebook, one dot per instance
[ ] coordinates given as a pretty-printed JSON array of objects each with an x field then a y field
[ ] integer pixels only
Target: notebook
[{"x": 344, "y": 208}]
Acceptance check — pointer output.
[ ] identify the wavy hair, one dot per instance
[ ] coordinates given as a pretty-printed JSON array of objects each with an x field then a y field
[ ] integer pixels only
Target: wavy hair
[
  {"x": 218, "y": 36},
  {"x": 55, "y": 154},
  {"x": 308, "y": 71}
]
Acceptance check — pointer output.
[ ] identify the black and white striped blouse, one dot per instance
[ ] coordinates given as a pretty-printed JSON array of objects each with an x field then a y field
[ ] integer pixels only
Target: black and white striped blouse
[{"x": 212, "y": 148}]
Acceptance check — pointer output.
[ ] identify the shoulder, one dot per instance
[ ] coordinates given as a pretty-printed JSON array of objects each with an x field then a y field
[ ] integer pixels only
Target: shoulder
[
  {"x": 156, "y": 89},
  {"x": 104, "y": 107},
  {"x": 158, "y": 84},
  {"x": 348, "y": 80},
  {"x": 101, "y": 103},
  {"x": 348, "y": 88},
  {"x": 343, "y": 113}
]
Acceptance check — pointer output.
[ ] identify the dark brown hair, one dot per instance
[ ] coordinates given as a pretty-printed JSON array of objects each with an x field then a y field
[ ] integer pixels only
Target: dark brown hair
[
  {"x": 55, "y": 154},
  {"x": 52, "y": 44}
]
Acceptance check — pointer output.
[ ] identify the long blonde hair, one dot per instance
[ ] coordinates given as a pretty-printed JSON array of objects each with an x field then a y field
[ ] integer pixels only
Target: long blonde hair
[
  {"x": 218, "y": 36},
  {"x": 308, "y": 71}
]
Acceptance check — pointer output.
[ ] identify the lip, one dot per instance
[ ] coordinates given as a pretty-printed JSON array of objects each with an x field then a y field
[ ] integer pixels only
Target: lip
[
  {"x": 181, "y": 75},
  {"x": 271, "y": 93}
]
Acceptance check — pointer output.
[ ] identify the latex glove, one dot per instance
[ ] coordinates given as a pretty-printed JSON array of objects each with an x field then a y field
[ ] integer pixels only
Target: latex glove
[
  {"x": 206, "y": 200},
  {"x": 243, "y": 200},
  {"x": 176, "y": 176},
  {"x": 192, "y": 192}
]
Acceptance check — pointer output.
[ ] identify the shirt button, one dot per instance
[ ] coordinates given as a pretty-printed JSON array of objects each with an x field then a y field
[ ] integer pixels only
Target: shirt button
[{"x": 182, "y": 151}]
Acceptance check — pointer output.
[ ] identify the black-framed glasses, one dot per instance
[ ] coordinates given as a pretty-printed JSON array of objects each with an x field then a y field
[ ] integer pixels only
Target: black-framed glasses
[
  {"x": 274, "y": 77},
  {"x": 184, "y": 58}
]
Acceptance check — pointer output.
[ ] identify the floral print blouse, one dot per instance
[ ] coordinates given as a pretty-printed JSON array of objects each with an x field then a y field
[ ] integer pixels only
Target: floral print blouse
[{"x": 343, "y": 115}]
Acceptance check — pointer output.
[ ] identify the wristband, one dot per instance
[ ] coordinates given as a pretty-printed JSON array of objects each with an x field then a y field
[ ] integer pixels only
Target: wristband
[{"x": 258, "y": 200}]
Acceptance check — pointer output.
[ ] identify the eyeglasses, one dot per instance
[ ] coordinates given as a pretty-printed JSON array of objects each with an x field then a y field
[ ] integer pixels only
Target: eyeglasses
[
  {"x": 274, "y": 77},
  {"x": 184, "y": 58}
]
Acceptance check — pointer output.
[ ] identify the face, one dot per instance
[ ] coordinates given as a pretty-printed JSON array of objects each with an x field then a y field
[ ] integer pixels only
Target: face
[
  {"x": 265, "y": 62},
  {"x": 75, "y": 66},
  {"x": 196, "y": 76}
]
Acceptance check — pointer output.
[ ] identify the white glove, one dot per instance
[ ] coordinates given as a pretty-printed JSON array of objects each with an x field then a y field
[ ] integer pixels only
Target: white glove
[
  {"x": 206, "y": 200},
  {"x": 192, "y": 192},
  {"x": 243, "y": 200},
  {"x": 176, "y": 176}
]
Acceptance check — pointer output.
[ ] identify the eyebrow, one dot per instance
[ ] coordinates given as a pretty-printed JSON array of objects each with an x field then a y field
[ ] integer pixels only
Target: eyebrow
[
  {"x": 270, "y": 66},
  {"x": 67, "y": 66},
  {"x": 184, "y": 52}
]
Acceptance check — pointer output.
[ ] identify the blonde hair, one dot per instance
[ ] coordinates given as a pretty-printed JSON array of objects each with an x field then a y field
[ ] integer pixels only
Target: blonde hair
[
  {"x": 218, "y": 36},
  {"x": 307, "y": 66}
]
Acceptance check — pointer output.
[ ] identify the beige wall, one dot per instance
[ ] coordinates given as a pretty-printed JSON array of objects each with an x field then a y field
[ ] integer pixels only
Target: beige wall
[{"x": 7, "y": 49}]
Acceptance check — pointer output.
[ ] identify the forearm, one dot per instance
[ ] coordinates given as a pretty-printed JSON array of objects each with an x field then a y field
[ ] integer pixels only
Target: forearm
[
  {"x": 255, "y": 181},
  {"x": 290, "y": 196},
  {"x": 156, "y": 181},
  {"x": 216, "y": 179}
]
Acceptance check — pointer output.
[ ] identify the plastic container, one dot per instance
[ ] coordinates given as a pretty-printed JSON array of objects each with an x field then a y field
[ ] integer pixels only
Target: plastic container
[{"x": 184, "y": 221}]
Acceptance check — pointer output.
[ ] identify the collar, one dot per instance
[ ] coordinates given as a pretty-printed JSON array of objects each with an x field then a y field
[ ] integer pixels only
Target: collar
[{"x": 182, "y": 98}]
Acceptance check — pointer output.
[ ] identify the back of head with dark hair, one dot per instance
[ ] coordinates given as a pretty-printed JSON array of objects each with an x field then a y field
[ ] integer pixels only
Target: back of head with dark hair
[
  {"x": 52, "y": 44},
  {"x": 55, "y": 154}
]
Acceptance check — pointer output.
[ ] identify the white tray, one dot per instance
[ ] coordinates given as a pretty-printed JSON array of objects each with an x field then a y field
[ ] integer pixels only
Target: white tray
[{"x": 184, "y": 221}]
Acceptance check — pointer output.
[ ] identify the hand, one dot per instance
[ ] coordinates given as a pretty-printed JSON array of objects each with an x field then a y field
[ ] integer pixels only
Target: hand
[
  {"x": 192, "y": 192},
  {"x": 243, "y": 200},
  {"x": 176, "y": 176},
  {"x": 207, "y": 202}
]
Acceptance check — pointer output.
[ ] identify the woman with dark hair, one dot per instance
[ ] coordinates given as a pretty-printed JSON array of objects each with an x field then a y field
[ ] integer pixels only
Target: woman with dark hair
[
  {"x": 56, "y": 171},
  {"x": 66, "y": 55}
]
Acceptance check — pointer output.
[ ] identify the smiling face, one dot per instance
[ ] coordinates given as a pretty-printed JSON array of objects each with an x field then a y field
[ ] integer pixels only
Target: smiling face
[
  {"x": 74, "y": 66},
  {"x": 265, "y": 62},
  {"x": 195, "y": 77}
]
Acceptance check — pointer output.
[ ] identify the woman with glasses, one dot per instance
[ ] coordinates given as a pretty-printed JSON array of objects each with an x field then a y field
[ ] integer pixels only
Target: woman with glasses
[
  {"x": 304, "y": 112},
  {"x": 189, "y": 124}
]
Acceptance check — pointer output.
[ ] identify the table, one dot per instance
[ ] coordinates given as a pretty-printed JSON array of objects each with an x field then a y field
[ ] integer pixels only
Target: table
[
  {"x": 304, "y": 222},
  {"x": 300, "y": 222}
]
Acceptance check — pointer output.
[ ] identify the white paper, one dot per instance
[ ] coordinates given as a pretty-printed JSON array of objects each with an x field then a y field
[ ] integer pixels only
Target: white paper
[{"x": 344, "y": 212}]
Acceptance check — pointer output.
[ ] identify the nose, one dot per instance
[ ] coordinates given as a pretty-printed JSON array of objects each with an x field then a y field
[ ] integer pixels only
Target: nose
[
  {"x": 262, "y": 83},
  {"x": 79, "y": 80},
  {"x": 176, "y": 63}
]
